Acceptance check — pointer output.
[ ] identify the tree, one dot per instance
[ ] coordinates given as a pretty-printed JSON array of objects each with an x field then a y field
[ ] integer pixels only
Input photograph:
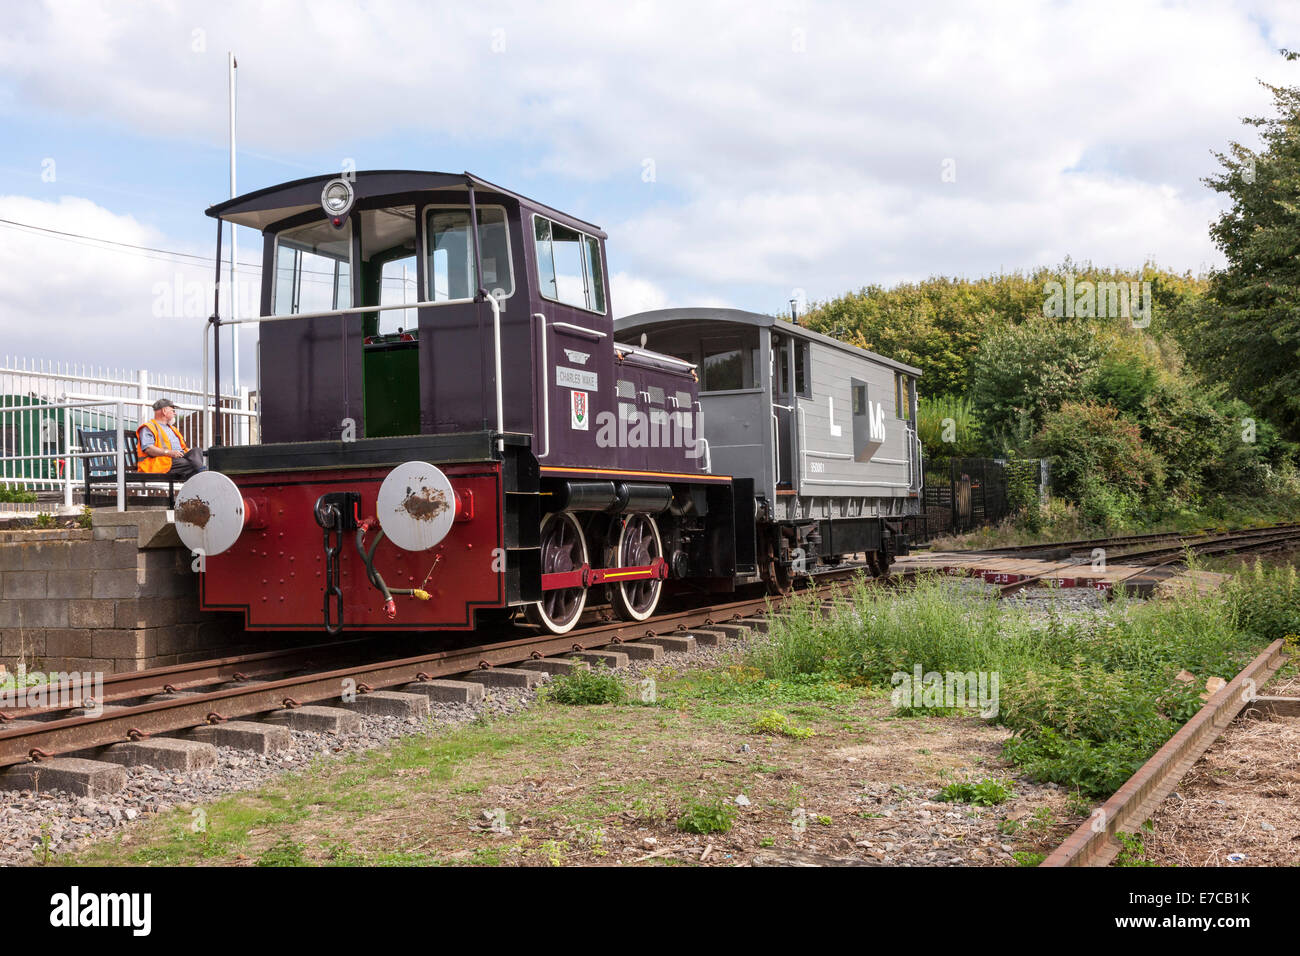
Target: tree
[
  {"x": 1027, "y": 370},
  {"x": 1247, "y": 331}
]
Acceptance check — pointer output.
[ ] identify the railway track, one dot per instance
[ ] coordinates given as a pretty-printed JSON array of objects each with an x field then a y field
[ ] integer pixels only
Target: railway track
[
  {"x": 1156, "y": 556},
  {"x": 171, "y": 699},
  {"x": 1064, "y": 549}
]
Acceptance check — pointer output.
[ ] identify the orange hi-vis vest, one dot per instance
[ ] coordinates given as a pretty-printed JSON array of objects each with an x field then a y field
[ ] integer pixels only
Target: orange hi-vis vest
[{"x": 156, "y": 464}]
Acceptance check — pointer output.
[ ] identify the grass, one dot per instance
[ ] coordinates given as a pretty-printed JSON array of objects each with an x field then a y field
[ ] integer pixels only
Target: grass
[
  {"x": 587, "y": 686},
  {"x": 1088, "y": 699}
]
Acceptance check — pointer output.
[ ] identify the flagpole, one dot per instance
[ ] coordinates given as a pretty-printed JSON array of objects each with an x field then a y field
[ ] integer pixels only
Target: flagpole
[{"x": 234, "y": 251}]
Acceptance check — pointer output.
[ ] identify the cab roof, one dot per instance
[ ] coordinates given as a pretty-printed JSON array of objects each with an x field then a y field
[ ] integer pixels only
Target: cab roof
[{"x": 265, "y": 207}]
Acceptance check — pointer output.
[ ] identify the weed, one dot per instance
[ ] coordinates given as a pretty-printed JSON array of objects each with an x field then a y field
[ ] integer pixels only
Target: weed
[
  {"x": 986, "y": 793},
  {"x": 1026, "y": 858},
  {"x": 713, "y": 816},
  {"x": 776, "y": 723},
  {"x": 1132, "y": 851},
  {"x": 342, "y": 854},
  {"x": 43, "y": 852},
  {"x": 585, "y": 686},
  {"x": 44, "y": 519},
  {"x": 86, "y": 519},
  {"x": 284, "y": 852}
]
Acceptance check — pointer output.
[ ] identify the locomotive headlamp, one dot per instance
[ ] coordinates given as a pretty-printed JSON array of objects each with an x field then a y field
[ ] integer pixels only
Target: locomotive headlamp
[{"x": 336, "y": 199}]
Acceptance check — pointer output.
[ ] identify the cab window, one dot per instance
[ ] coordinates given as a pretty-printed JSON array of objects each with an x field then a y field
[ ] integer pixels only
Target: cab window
[
  {"x": 568, "y": 265},
  {"x": 449, "y": 251},
  {"x": 313, "y": 269}
]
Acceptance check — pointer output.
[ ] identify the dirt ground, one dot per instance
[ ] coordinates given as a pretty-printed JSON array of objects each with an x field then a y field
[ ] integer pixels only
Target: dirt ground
[
  {"x": 611, "y": 785},
  {"x": 1240, "y": 804}
]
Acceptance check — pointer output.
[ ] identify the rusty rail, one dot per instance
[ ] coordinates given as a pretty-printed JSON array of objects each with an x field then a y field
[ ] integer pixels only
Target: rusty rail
[
  {"x": 1094, "y": 843},
  {"x": 70, "y": 734}
]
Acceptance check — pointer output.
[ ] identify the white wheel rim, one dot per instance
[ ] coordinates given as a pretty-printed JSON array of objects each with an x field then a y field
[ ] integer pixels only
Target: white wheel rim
[
  {"x": 575, "y": 603},
  {"x": 656, "y": 584}
]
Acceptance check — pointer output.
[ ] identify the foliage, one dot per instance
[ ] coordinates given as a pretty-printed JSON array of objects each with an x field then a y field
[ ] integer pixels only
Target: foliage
[
  {"x": 947, "y": 427},
  {"x": 584, "y": 686},
  {"x": 16, "y": 495},
  {"x": 938, "y": 324},
  {"x": 778, "y": 724},
  {"x": 1244, "y": 331},
  {"x": 86, "y": 519},
  {"x": 1088, "y": 700},
  {"x": 1022, "y": 491},
  {"x": 1099, "y": 460},
  {"x": 984, "y": 793},
  {"x": 1026, "y": 371},
  {"x": 44, "y": 519},
  {"x": 711, "y": 816}
]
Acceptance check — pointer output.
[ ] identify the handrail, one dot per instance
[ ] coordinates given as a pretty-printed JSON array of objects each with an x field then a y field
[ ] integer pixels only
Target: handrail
[
  {"x": 546, "y": 389},
  {"x": 496, "y": 340}
]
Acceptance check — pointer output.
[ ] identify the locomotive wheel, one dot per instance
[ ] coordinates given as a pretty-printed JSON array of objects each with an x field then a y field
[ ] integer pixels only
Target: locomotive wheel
[
  {"x": 638, "y": 545},
  {"x": 564, "y": 548}
]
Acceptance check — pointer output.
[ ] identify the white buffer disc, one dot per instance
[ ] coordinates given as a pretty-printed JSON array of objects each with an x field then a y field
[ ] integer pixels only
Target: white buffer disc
[
  {"x": 209, "y": 513},
  {"x": 416, "y": 506}
]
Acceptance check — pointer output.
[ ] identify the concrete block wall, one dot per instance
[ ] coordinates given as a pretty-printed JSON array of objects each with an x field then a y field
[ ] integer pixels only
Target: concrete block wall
[{"x": 118, "y": 597}]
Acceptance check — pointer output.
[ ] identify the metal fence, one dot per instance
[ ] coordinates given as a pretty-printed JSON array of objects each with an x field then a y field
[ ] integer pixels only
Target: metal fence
[
  {"x": 44, "y": 404},
  {"x": 964, "y": 493}
]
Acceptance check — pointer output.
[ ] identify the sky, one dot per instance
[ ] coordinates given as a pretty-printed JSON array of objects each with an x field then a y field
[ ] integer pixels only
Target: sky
[{"x": 737, "y": 154}]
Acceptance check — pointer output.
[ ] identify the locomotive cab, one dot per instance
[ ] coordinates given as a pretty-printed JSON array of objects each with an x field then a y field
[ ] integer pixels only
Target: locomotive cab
[{"x": 440, "y": 327}]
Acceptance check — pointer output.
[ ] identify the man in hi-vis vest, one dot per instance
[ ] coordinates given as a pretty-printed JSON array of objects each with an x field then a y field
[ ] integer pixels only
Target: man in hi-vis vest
[{"x": 162, "y": 449}]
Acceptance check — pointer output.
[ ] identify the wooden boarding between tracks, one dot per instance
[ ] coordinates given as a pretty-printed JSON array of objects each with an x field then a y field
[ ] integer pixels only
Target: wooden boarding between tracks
[{"x": 1002, "y": 570}]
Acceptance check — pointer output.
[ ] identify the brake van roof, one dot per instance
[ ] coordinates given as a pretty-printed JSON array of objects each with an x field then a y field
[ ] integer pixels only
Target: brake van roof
[{"x": 642, "y": 320}]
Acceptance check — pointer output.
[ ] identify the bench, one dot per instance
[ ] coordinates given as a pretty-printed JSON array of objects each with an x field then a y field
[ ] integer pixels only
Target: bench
[{"x": 100, "y": 467}]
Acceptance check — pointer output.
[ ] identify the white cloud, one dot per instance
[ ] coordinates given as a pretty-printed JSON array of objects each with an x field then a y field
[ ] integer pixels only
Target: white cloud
[
  {"x": 62, "y": 298},
  {"x": 1079, "y": 129}
]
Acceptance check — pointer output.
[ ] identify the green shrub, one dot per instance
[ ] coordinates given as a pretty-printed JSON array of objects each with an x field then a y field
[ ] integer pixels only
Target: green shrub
[
  {"x": 10, "y": 494},
  {"x": 585, "y": 686},
  {"x": 947, "y": 427},
  {"x": 778, "y": 724},
  {"x": 713, "y": 816},
  {"x": 284, "y": 852},
  {"x": 985, "y": 793},
  {"x": 44, "y": 519},
  {"x": 1098, "y": 459}
]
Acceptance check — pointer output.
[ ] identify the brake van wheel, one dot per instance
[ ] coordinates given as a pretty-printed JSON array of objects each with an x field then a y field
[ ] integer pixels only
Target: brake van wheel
[
  {"x": 639, "y": 544},
  {"x": 778, "y": 579},
  {"x": 564, "y": 548}
]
